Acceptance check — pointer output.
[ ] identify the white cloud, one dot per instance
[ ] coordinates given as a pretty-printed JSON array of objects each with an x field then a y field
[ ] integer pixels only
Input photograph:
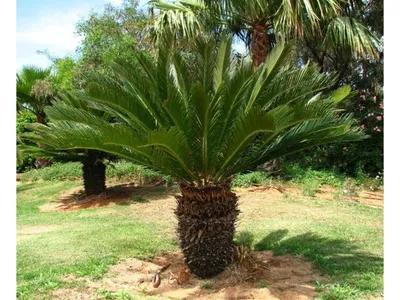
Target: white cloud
[
  {"x": 55, "y": 30},
  {"x": 52, "y": 30}
]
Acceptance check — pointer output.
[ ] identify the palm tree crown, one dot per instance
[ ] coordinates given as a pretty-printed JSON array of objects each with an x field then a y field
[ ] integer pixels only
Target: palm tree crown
[
  {"x": 203, "y": 128},
  {"x": 34, "y": 92},
  {"x": 259, "y": 22}
]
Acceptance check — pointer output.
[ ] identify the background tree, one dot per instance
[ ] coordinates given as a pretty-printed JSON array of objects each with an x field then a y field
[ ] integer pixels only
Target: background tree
[
  {"x": 93, "y": 166},
  {"x": 113, "y": 33},
  {"x": 64, "y": 70},
  {"x": 204, "y": 129},
  {"x": 259, "y": 23},
  {"x": 34, "y": 91},
  {"x": 364, "y": 74}
]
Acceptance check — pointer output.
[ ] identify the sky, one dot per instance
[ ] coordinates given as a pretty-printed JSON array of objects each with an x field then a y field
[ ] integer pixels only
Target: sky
[{"x": 50, "y": 24}]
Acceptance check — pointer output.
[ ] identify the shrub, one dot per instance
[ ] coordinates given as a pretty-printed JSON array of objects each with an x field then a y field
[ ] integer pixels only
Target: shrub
[
  {"x": 24, "y": 118},
  {"x": 250, "y": 179}
]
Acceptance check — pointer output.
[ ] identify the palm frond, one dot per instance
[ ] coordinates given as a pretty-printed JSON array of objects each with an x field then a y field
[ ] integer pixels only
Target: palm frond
[
  {"x": 209, "y": 125},
  {"x": 350, "y": 33}
]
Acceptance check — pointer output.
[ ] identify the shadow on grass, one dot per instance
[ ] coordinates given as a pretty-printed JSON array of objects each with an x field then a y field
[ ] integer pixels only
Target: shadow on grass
[
  {"x": 341, "y": 259},
  {"x": 26, "y": 187},
  {"x": 122, "y": 195}
]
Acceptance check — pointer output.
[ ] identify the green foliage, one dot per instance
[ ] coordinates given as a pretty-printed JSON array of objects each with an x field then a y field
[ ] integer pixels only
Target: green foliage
[
  {"x": 113, "y": 33},
  {"x": 227, "y": 119},
  {"x": 327, "y": 28},
  {"x": 310, "y": 187},
  {"x": 311, "y": 177},
  {"x": 127, "y": 171},
  {"x": 250, "y": 179},
  {"x": 121, "y": 171},
  {"x": 23, "y": 119},
  {"x": 57, "y": 171},
  {"x": 364, "y": 74},
  {"x": 34, "y": 91},
  {"x": 244, "y": 238},
  {"x": 64, "y": 69}
]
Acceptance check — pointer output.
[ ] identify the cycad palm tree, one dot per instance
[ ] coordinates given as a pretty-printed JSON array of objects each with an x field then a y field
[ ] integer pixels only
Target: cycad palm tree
[
  {"x": 206, "y": 127},
  {"x": 93, "y": 167},
  {"x": 258, "y": 23}
]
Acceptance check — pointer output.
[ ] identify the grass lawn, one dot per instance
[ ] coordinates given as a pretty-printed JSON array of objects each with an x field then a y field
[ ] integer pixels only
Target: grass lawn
[{"x": 342, "y": 239}]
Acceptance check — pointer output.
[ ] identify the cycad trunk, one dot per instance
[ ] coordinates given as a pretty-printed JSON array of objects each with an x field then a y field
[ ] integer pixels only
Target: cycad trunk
[
  {"x": 206, "y": 225},
  {"x": 259, "y": 45},
  {"x": 94, "y": 177}
]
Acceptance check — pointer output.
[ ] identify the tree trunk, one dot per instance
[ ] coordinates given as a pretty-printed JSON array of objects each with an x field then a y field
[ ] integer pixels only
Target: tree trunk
[
  {"x": 259, "y": 45},
  {"x": 206, "y": 225},
  {"x": 39, "y": 119},
  {"x": 94, "y": 177}
]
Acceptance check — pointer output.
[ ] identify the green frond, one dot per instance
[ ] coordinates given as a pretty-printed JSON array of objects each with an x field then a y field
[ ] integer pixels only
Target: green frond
[
  {"x": 204, "y": 127},
  {"x": 180, "y": 17},
  {"x": 349, "y": 32}
]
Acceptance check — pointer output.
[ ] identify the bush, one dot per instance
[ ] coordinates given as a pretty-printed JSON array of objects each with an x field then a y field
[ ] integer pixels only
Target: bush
[
  {"x": 250, "y": 179},
  {"x": 24, "y": 118},
  {"x": 58, "y": 171},
  {"x": 299, "y": 175},
  {"x": 127, "y": 171},
  {"x": 121, "y": 171}
]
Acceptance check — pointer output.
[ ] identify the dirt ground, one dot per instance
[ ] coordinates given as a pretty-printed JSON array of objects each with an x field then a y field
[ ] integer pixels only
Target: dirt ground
[
  {"x": 283, "y": 277},
  {"x": 121, "y": 194}
]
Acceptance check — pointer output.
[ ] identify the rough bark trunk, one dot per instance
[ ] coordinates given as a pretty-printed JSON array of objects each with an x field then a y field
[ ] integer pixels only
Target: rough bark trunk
[
  {"x": 94, "y": 177},
  {"x": 206, "y": 225},
  {"x": 259, "y": 45}
]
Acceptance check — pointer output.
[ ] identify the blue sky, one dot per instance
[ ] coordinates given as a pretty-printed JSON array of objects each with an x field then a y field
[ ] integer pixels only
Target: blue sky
[{"x": 50, "y": 24}]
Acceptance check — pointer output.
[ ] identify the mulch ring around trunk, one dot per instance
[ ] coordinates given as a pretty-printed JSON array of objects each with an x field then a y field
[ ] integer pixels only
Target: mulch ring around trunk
[
  {"x": 281, "y": 277},
  {"x": 76, "y": 198}
]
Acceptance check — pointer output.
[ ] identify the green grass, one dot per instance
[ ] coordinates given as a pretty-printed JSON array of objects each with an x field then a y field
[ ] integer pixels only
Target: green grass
[
  {"x": 82, "y": 243},
  {"x": 344, "y": 240}
]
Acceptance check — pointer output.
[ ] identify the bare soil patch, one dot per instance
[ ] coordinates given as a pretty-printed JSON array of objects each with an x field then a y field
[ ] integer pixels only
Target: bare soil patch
[
  {"x": 371, "y": 198},
  {"x": 282, "y": 277},
  {"x": 121, "y": 194},
  {"x": 75, "y": 198}
]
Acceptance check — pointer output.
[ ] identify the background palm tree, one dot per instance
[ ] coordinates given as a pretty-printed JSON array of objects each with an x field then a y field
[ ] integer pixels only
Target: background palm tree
[
  {"x": 203, "y": 128},
  {"x": 258, "y": 23},
  {"x": 93, "y": 167},
  {"x": 34, "y": 91}
]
